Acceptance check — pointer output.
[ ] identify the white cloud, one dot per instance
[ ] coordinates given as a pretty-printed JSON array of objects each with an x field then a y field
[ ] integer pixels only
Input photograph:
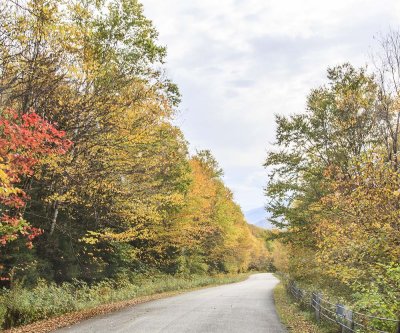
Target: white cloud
[{"x": 237, "y": 62}]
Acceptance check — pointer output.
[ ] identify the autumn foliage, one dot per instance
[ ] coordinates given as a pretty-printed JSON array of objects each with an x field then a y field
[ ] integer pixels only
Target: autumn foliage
[
  {"x": 25, "y": 141},
  {"x": 126, "y": 198},
  {"x": 334, "y": 189},
  {"x": 211, "y": 230}
]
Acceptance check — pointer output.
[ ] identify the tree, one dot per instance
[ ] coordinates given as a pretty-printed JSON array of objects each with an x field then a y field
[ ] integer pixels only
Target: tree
[
  {"x": 387, "y": 62},
  {"x": 337, "y": 126},
  {"x": 86, "y": 65},
  {"x": 334, "y": 188},
  {"x": 210, "y": 230},
  {"x": 26, "y": 141},
  {"x": 359, "y": 231}
]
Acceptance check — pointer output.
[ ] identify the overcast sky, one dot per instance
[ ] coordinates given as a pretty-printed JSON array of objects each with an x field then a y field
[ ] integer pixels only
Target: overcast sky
[{"x": 239, "y": 62}]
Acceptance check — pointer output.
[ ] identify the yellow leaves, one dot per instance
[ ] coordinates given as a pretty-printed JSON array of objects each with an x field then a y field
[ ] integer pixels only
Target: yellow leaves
[
  {"x": 91, "y": 238},
  {"x": 108, "y": 235},
  {"x": 127, "y": 176},
  {"x": 6, "y": 188},
  {"x": 359, "y": 228},
  {"x": 212, "y": 222}
]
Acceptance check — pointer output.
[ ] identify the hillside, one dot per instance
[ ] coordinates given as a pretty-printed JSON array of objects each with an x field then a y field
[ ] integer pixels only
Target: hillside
[{"x": 259, "y": 217}]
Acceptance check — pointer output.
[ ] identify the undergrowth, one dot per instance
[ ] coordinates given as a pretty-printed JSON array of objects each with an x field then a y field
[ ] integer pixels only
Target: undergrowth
[
  {"x": 21, "y": 306},
  {"x": 296, "y": 319}
]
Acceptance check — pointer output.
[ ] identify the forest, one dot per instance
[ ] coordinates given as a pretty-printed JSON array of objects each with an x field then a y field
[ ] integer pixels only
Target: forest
[
  {"x": 101, "y": 200},
  {"x": 334, "y": 186},
  {"x": 97, "y": 189}
]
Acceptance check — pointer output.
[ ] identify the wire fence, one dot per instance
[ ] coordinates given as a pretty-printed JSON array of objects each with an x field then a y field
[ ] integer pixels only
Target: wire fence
[{"x": 346, "y": 319}]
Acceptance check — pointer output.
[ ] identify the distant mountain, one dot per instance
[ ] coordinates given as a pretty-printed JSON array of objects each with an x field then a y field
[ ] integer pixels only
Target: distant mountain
[{"x": 258, "y": 217}]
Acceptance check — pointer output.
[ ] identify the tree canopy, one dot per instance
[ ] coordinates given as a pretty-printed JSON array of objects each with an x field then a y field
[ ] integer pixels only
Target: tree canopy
[
  {"x": 333, "y": 188},
  {"x": 93, "y": 170}
]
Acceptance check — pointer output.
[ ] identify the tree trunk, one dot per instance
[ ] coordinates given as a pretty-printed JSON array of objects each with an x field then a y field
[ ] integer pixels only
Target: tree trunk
[{"x": 54, "y": 219}]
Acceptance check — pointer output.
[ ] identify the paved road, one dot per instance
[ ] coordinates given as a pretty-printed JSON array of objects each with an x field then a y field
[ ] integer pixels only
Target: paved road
[{"x": 245, "y": 307}]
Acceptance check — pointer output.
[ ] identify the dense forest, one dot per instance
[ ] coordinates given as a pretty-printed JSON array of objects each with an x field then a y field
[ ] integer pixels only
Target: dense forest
[
  {"x": 96, "y": 180},
  {"x": 334, "y": 186}
]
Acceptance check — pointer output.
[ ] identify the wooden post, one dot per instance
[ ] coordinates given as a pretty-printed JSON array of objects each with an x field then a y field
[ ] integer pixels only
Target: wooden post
[
  {"x": 346, "y": 318},
  {"x": 317, "y": 304},
  {"x": 340, "y": 312},
  {"x": 348, "y": 315},
  {"x": 300, "y": 293}
]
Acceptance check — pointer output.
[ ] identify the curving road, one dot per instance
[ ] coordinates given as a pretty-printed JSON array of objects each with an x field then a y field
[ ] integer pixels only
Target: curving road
[{"x": 245, "y": 307}]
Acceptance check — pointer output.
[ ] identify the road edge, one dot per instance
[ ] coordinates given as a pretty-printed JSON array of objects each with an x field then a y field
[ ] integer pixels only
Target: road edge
[
  {"x": 291, "y": 316},
  {"x": 68, "y": 319}
]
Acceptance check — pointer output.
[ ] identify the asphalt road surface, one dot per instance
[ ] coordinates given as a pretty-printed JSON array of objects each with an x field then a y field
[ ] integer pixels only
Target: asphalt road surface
[{"x": 244, "y": 307}]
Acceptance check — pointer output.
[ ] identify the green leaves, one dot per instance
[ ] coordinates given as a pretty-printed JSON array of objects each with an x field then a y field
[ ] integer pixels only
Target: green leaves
[{"x": 334, "y": 188}]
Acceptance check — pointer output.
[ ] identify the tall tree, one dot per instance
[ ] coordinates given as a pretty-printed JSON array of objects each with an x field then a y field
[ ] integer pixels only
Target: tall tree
[{"x": 338, "y": 125}]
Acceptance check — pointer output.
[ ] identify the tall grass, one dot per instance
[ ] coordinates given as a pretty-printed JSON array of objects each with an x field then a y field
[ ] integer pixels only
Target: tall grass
[{"x": 20, "y": 306}]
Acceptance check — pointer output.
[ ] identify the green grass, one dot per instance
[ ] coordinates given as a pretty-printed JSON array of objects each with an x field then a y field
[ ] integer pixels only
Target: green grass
[
  {"x": 296, "y": 319},
  {"x": 21, "y": 306}
]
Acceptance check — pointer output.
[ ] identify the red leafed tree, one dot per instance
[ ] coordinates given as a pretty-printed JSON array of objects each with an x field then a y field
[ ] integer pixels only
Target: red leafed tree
[{"x": 25, "y": 140}]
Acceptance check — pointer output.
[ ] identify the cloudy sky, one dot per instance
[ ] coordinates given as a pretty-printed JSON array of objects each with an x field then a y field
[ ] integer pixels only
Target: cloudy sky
[{"x": 239, "y": 62}]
